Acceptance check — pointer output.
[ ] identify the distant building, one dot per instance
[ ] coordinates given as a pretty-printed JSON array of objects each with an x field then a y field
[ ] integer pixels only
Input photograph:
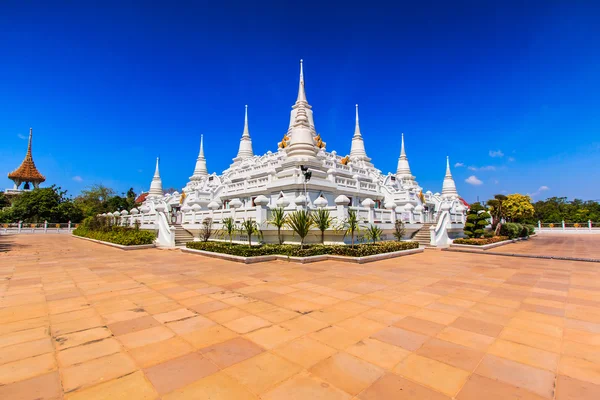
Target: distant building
[{"x": 27, "y": 174}]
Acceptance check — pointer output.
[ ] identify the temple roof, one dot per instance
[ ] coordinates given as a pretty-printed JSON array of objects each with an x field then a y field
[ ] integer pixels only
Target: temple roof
[{"x": 27, "y": 172}]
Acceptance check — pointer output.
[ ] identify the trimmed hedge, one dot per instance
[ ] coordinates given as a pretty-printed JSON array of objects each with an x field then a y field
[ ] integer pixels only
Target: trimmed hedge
[
  {"x": 514, "y": 230},
  {"x": 119, "y": 235},
  {"x": 359, "y": 250},
  {"x": 481, "y": 242}
]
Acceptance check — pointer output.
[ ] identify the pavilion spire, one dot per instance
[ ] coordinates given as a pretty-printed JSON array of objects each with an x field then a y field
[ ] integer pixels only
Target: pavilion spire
[
  {"x": 357, "y": 150},
  {"x": 27, "y": 171},
  {"x": 245, "y": 149},
  {"x": 200, "y": 170},
  {"x": 449, "y": 187},
  {"x": 301, "y": 101},
  {"x": 156, "y": 184},
  {"x": 403, "y": 170}
]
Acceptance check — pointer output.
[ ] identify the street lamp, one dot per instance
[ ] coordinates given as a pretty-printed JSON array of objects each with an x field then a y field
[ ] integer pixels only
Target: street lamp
[{"x": 307, "y": 175}]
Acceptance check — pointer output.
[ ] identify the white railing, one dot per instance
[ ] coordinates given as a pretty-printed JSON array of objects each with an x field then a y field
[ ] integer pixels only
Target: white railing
[
  {"x": 569, "y": 227},
  {"x": 40, "y": 227}
]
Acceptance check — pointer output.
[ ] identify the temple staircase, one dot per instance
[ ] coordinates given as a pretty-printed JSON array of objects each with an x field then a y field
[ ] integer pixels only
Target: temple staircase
[
  {"x": 182, "y": 236},
  {"x": 423, "y": 237}
]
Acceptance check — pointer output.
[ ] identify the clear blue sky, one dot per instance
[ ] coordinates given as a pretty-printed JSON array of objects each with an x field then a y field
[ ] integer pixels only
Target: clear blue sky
[{"x": 109, "y": 87}]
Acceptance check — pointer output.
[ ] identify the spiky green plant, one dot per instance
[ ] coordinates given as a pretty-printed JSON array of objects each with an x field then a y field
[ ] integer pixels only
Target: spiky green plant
[
  {"x": 300, "y": 222},
  {"x": 323, "y": 220},
  {"x": 373, "y": 233},
  {"x": 351, "y": 225},
  {"x": 250, "y": 227},
  {"x": 399, "y": 230},
  {"x": 278, "y": 220},
  {"x": 229, "y": 227}
]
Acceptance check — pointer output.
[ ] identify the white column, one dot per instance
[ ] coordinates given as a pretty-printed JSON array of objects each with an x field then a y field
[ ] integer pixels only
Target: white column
[
  {"x": 45, "y": 226},
  {"x": 590, "y": 224},
  {"x": 540, "y": 225},
  {"x": 69, "y": 226},
  {"x": 20, "y": 226},
  {"x": 563, "y": 225}
]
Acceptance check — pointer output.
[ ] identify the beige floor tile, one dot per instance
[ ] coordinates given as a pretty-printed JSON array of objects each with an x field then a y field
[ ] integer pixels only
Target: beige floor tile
[
  {"x": 533, "y": 379},
  {"x": 450, "y": 353},
  {"x": 431, "y": 373},
  {"x": 96, "y": 371},
  {"x": 348, "y": 373},
  {"x": 231, "y": 352},
  {"x": 40, "y": 387},
  {"x": 305, "y": 351},
  {"x": 190, "y": 324},
  {"x": 128, "y": 387},
  {"x": 379, "y": 353},
  {"x": 78, "y": 338},
  {"x": 305, "y": 386},
  {"x": 262, "y": 372},
  {"x": 400, "y": 337},
  {"x": 24, "y": 336},
  {"x": 26, "y": 368},
  {"x": 524, "y": 354},
  {"x": 179, "y": 372},
  {"x": 25, "y": 350},
  {"x": 247, "y": 324},
  {"x": 145, "y": 337},
  {"x": 478, "y": 386},
  {"x": 568, "y": 388},
  {"x": 217, "y": 386},
  {"x": 208, "y": 336},
  {"x": 272, "y": 336},
  {"x": 155, "y": 353},
  {"x": 394, "y": 387},
  {"x": 581, "y": 369},
  {"x": 466, "y": 338},
  {"x": 87, "y": 352}
]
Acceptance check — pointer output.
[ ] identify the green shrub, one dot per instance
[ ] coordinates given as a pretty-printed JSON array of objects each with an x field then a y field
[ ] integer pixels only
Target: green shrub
[
  {"x": 122, "y": 235},
  {"x": 530, "y": 229},
  {"x": 477, "y": 220},
  {"x": 511, "y": 229},
  {"x": 481, "y": 242},
  {"x": 360, "y": 250}
]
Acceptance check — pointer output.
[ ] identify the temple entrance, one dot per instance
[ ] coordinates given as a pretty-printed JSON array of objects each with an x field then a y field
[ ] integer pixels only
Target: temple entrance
[{"x": 176, "y": 215}]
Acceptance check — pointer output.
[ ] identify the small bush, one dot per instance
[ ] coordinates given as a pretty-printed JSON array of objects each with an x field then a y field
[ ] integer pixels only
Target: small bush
[
  {"x": 360, "y": 250},
  {"x": 481, "y": 242},
  {"x": 530, "y": 229},
  {"x": 122, "y": 235},
  {"x": 511, "y": 229}
]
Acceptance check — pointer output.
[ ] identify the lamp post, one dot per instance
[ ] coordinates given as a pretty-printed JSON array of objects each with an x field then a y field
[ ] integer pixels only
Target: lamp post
[{"x": 307, "y": 175}]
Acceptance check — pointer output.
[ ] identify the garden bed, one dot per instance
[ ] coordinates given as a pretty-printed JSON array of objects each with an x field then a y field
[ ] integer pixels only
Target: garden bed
[
  {"x": 484, "y": 243},
  {"x": 121, "y": 236},
  {"x": 118, "y": 246},
  {"x": 361, "y": 253}
]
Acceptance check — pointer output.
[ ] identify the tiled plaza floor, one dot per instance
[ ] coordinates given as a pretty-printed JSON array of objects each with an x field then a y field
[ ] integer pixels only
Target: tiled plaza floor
[
  {"x": 556, "y": 244},
  {"x": 80, "y": 320}
]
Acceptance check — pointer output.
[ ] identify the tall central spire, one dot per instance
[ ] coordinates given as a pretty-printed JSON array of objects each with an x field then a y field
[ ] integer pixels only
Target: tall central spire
[
  {"x": 200, "y": 171},
  {"x": 156, "y": 184},
  {"x": 245, "y": 149},
  {"x": 449, "y": 187},
  {"x": 301, "y": 101},
  {"x": 357, "y": 150},
  {"x": 301, "y": 90}
]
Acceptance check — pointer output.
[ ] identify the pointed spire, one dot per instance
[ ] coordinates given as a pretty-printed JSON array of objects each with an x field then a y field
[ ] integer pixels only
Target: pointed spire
[
  {"x": 357, "y": 150},
  {"x": 357, "y": 127},
  {"x": 449, "y": 187},
  {"x": 156, "y": 184},
  {"x": 200, "y": 170},
  {"x": 301, "y": 90},
  {"x": 27, "y": 171},
  {"x": 245, "y": 149},
  {"x": 201, "y": 154},
  {"x": 403, "y": 170}
]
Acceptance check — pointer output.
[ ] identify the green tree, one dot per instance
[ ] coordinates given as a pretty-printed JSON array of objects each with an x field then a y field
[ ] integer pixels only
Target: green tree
[
  {"x": 399, "y": 230},
  {"x": 278, "y": 220},
  {"x": 250, "y": 227},
  {"x": 4, "y": 202},
  {"x": 300, "y": 222},
  {"x": 229, "y": 227},
  {"x": 373, "y": 233},
  {"x": 495, "y": 209},
  {"x": 477, "y": 219},
  {"x": 45, "y": 204},
  {"x": 518, "y": 208},
  {"x": 351, "y": 225},
  {"x": 323, "y": 220},
  {"x": 94, "y": 200}
]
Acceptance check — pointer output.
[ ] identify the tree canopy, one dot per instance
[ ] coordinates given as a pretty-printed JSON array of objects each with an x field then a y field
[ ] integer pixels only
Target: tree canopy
[
  {"x": 557, "y": 209},
  {"x": 518, "y": 208}
]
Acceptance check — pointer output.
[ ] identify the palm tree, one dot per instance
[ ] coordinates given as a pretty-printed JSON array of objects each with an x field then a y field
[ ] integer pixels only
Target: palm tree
[
  {"x": 278, "y": 219},
  {"x": 300, "y": 222},
  {"x": 323, "y": 221},
  {"x": 230, "y": 227},
  {"x": 351, "y": 225},
  {"x": 250, "y": 227},
  {"x": 373, "y": 233}
]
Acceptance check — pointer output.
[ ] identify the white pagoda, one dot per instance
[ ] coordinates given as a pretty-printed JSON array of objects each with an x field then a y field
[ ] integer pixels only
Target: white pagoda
[{"x": 255, "y": 184}]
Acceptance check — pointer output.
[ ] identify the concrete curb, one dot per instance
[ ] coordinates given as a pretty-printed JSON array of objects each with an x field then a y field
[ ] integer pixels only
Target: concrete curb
[
  {"x": 304, "y": 260},
  {"x": 495, "y": 253},
  {"x": 118, "y": 246},
  {"x": 489, "y": 246}
]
